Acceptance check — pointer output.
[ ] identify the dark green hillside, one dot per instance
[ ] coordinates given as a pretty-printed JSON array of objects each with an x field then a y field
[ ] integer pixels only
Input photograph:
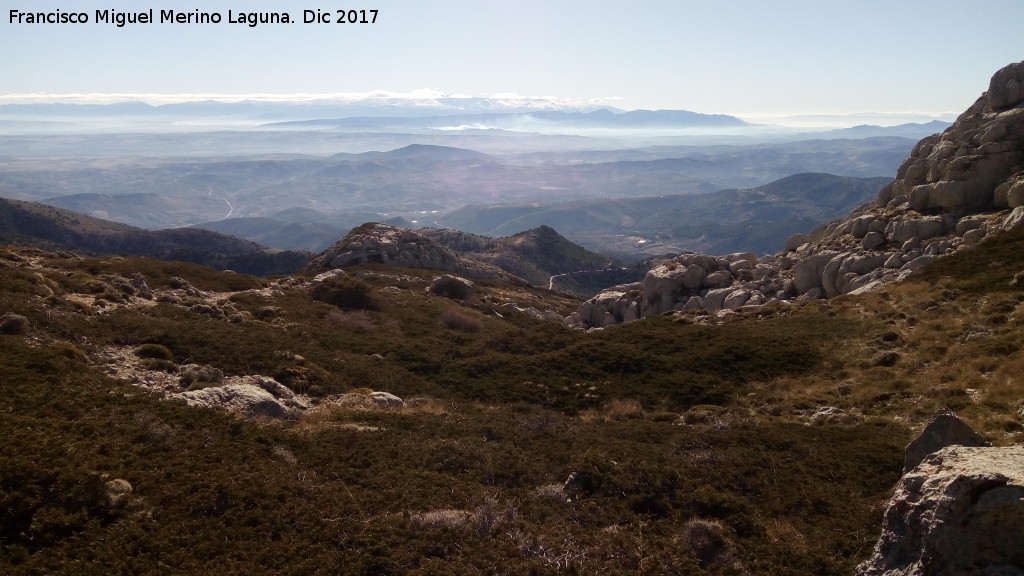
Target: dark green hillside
[{"x": 30, "y": 223}]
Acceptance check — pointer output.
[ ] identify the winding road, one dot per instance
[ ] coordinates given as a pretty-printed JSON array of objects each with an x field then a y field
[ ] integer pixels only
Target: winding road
[
  {"x": 551, "y": 280},
  {"x": 231, "y": 209}
]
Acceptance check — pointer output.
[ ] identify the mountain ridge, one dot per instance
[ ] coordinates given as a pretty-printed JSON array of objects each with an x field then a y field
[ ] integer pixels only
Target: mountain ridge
[{"x": 47, "y": 226}]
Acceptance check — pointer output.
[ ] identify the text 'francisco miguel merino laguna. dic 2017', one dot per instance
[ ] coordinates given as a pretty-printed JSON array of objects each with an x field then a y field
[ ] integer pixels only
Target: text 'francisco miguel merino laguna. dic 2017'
[{"x": 120, "y": 19}]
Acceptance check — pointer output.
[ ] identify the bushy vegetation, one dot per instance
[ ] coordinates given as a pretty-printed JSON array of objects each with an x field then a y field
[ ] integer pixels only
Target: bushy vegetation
[
  {"x": 418, "y": 493},
  {"x": 345, "y": 293},
  {"x": 667, "y": 446}
]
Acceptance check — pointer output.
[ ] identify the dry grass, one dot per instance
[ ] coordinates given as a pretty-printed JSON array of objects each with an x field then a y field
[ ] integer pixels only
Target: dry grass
[
  {"x": 943, "y": 348},
  {"x": 350, "y": 410},
  {"x": 482, "y": 520},
  {"x": 707, "y": 542},
  {"x": 619, "y": 409},
  {"x": 359, "y": 321}
]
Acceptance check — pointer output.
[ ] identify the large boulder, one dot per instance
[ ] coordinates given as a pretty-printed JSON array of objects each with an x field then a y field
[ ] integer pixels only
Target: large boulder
[
  {"x": 663, "y": 283},
  {"x": 945, "y": 429},
  {"x": 960, "y": 512},
  {"x": 808, "y": 271},
  {"x": 1006, "y": 89},
  {"x": 609, "y": 307}
]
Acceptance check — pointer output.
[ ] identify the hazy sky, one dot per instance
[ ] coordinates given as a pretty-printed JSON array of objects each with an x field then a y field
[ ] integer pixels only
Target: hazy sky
[{"x": 732, "y": 56}]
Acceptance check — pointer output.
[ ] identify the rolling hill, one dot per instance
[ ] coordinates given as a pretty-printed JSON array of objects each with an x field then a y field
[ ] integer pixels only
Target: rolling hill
[{"x": 46, "y": 226}]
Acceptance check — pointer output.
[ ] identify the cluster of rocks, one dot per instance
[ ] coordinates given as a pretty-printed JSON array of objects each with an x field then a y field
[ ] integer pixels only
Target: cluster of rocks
[
  {"x": 956, "y": 189},
  {"x": 366, "y": 400},
  {"x": 397, "y": 246},
  {"x": 958, "y": 511},
  {"x": 249, "y": 396}
]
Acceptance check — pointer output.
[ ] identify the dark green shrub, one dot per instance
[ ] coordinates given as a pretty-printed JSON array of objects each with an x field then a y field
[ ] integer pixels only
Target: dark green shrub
[
  {"x": 194, "y": 377},
  {"x": 158, "y": 351},
  {"x": 456, "y": 319},
  {"x": 11, "y": 323},
  {"x": 345, "y": 293},
  {"x": 706, "y": 541},
  {"x": 69, "y": 351}
]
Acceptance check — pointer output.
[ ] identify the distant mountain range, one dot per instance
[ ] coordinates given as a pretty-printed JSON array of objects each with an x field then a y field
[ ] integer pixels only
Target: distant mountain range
[
  {"x": 535, "y": 120},
  {"x": 436, "y": 119},
  {"x": 301, "y": 108},
  {"x": 520, "y": 239},
  {"x": 756, "y": 219},
  {"x": 910, "y": 130},
  {"x": 415, "y": 182}
]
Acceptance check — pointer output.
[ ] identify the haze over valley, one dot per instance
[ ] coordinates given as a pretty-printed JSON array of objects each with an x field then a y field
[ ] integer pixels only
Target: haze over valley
[{"x": 487, "y": 166}]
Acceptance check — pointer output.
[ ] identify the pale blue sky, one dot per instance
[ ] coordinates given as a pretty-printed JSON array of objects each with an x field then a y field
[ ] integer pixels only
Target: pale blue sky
[{"x": 734, "y": 57}]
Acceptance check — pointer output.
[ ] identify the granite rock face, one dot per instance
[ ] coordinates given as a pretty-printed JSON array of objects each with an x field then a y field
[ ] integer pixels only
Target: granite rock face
[
  {"x": 252, "y": 396},
  {"x": 976, "y": 162},
  {"x": 960, "y": 512}
]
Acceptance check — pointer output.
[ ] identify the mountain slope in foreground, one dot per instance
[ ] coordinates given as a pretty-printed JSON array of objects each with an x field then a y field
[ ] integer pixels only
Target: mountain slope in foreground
[{"x": 775, "y": 434}]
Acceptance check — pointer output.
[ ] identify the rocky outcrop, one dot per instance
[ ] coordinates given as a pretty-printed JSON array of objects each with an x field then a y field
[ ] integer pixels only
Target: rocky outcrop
[
  {"x": 958, "y": 513},
  {"x": 372, "y": 400},
  {"x": 977, "y": 163},
  {"x": 397, "y": 246},
  {"x": 875, "y": 246},
  {"x": 952, "y": 193},
  {"x": 260, "y": 396},
  {"x": 946, "y": 429}
]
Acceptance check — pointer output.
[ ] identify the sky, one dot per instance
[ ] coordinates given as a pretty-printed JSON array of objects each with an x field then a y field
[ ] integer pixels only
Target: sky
[{"x": 743, "y": 57}]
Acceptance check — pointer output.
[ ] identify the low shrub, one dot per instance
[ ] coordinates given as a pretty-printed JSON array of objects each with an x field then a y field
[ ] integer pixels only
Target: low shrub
[
  {"x": 69, "y": 351},
  {"x": 461, "y": 320},
  {"x": 706, "y": 541},
  {"x": 355, "y": 321},
  {"x": 194, "y": 376},
  {"x": 13, "y": 324},
  {"x": 157, "y": 351},
  {"x": 345, "y": 293},
  {"x": 160, "y": 364}
]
